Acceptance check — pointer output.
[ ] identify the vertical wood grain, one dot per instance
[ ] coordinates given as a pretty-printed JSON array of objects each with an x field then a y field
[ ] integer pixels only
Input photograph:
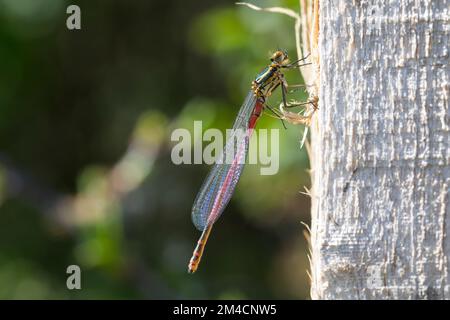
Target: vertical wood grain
[{"x": 381, "y": 151}]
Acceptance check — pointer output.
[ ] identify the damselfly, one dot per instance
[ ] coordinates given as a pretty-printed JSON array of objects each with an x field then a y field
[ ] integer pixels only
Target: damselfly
[{"x": 220, "y": 183}]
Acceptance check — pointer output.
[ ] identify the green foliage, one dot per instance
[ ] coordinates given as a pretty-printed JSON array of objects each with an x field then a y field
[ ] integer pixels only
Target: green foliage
[{"x": 85, "y": 170}]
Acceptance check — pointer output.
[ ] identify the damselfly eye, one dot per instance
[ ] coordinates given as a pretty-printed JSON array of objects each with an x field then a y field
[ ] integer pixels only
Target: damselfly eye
[{"x": 279, "y": 56}]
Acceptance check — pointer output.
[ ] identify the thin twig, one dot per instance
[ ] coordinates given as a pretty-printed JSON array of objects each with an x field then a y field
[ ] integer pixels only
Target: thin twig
[
  {"x": 307, "y": 192},
  {"x": 285, "y": 11}
]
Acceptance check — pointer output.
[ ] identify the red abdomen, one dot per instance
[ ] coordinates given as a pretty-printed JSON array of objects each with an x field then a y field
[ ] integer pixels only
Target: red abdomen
[{"x": 257, "y": 110}]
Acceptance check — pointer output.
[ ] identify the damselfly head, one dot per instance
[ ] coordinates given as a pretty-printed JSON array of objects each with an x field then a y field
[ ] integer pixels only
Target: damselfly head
[{"x": 280, "y": 57}]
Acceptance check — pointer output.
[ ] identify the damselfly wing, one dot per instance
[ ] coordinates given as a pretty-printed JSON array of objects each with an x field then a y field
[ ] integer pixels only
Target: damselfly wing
[{"x": 221, "y": 181}]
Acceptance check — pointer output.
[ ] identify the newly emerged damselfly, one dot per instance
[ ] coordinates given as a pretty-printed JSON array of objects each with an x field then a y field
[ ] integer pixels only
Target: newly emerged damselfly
[{"x": 221, "y": 181}]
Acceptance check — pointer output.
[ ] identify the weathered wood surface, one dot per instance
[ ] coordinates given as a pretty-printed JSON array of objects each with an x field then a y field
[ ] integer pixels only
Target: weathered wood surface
[{"x": 381, "y": 150}]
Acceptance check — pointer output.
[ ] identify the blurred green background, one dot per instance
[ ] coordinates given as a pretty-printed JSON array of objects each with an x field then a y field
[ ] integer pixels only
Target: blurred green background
[{"x": 85, "y": 171}]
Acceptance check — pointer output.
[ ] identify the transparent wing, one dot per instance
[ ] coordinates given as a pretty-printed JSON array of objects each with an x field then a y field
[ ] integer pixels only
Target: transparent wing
[{"x": 221, "y": 181}]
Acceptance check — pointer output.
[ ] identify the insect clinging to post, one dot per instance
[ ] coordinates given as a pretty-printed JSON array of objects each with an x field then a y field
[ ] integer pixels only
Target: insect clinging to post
[{"x": 220, "y": 183}]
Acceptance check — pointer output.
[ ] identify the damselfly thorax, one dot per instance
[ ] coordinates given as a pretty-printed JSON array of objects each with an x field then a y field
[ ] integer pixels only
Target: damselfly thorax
[{"x": 271, "y": 77}]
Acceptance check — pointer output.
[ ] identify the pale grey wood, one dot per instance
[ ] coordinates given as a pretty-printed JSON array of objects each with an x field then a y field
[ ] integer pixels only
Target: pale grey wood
[{"x": 380, "y": 151}]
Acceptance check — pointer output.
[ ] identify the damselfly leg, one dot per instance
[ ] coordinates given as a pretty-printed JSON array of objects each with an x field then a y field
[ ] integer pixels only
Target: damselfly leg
[
  {"x": 296, "y": 87},
  {"x": 277, "y": 114},
  {"x": 295, "y": 63},
  {"x": 302, "y": 117}
]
